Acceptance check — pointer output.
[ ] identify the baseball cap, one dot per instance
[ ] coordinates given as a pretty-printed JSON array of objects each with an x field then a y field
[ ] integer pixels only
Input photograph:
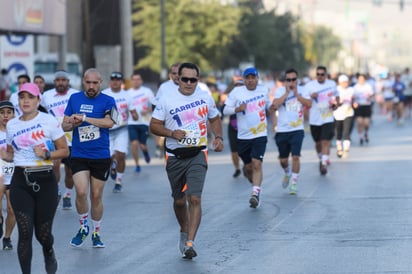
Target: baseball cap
[
  {"x": 6, "y": 104},
  {"x": 31, "y": 88},
  {"x": 61, "y": 74},
  {"x": 343, "y": 78},
  {"x": 250, "y": 71},
  {"x": 116, "y": 75}
]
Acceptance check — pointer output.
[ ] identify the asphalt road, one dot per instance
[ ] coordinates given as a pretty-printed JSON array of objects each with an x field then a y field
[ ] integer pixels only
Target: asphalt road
[{"x": 356, "y": 219}]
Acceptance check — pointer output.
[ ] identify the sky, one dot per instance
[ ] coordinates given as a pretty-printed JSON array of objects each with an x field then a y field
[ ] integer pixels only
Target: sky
[{"x": 372, "y": 35}]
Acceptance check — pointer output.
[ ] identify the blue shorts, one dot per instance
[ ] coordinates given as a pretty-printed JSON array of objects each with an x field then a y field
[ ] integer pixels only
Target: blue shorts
[
  {"x": 138, "y": 133},
  {"x": 253, "y": 148},
  {"x": 289, "y": 143}
]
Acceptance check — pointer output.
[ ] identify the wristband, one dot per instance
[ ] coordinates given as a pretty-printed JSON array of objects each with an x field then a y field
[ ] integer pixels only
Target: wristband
[
  {"x": 219, "y": 137},
  {"x": 84, "y": 117}
]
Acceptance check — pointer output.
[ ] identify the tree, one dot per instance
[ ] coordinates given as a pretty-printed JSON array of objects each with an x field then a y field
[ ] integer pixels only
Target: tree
[{"x": 196, "y": 30}]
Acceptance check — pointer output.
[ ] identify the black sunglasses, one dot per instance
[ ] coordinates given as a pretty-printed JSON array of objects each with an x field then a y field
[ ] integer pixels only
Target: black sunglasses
[
  {"x": 320, "y": 74},
  {"x": 187, "y": 79},
  {"x": 291, "y": 79}
]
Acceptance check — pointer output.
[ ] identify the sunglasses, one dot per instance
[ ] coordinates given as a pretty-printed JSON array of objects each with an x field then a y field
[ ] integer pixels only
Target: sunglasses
[
  {"x": 320, "y": 74},
  {"x": 187, "y": 79},
  {"x": 116, "y": 75},
  {"x": 291, "y": 79}
]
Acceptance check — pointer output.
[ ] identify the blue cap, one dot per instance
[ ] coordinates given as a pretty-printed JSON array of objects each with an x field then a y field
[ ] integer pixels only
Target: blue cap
[{"x": 250, "y": 71}]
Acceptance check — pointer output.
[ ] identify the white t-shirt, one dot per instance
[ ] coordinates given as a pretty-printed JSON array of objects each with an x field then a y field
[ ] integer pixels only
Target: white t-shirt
[
  {"x": 141, "y": 101},
  {"x": 164, "y": 89},
  {"x": 363, "y": 94},
  {"x": 42, "y": 130},
  {"x": 345, "y": 98},
  {"x": 290, "y": 113},
  {"x": 252, "y": 122},
  {"x": 407, "y": 81},
  {"x": 7, "y": 168},
  {"x": 387, "y": 89},
  {"x": 123, "y": 105},
  {"x": 321, "y": 112},
  {"x": 186, "y": 112},
  {"x": 56, "y": 103}
]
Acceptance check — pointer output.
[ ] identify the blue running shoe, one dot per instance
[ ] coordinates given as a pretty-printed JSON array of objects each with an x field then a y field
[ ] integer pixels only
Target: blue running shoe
[
  {"x": 117, "y": 188},
  {"x": 97, "y": 242},
  {"x": 81, "y": 235},
  {"x": 113, "y": 170},
  {"x": 137, "y": 169},
  {"x": 146, "y": 157}
]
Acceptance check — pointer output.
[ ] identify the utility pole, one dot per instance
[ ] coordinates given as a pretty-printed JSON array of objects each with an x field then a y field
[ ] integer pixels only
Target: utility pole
[
  {"x": 163, "y": 72},
  {"x": 126, "y": 38}
]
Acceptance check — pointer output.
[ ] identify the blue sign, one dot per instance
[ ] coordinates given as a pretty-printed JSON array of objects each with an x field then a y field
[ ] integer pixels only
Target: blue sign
[{"x": 16, "y": 40}]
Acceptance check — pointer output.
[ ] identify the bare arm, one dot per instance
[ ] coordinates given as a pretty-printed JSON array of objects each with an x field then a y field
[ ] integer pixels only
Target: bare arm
[{"x": 216, "y": 125}]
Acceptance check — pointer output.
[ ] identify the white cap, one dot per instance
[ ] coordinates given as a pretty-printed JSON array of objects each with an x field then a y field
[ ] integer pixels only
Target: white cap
[{"x": 343, "y": 78}]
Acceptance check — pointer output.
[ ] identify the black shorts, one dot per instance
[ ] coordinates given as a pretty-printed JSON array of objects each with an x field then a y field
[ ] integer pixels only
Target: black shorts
[
  {"x": 363, "y": 111},
  {"x": 323, "y": 132},
  {"x": 232, "y": 134},
  {"x": 99, "y": 168},
  {"x": 253, "y": 148},
  {"x": 67, "y": 161}
]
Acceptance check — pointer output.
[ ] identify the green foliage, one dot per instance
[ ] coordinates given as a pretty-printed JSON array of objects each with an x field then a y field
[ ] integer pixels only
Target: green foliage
[
  {"x": 196, "y": 31},
  {"x": 217, "y": 37}
]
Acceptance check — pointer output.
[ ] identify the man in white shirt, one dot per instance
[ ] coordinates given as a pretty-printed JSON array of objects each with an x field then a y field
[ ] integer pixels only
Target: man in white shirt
[
  {"x": 325, "y": 99},
  {"x": 250, "y": 103},
  {"x": 119, "y": 137},
  {"x": 290, "y": 100},
  {"x": 141, "y": 100},
  {"x": 55, "y": 101}
]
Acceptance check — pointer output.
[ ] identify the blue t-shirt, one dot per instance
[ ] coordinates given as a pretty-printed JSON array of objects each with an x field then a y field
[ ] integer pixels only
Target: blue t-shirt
[{"x": 89, "y": 141}]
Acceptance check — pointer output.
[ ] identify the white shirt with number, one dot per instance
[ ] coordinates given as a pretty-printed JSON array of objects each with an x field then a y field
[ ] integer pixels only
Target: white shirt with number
[
  {"x": 7, "y": 168},
  {"x": 189, "y": 113},
  {"x": 123, "y": 105},
  {"x": 321, "y": 112},
  {"x": 290, "y": 113},
  {"x": 252, "y": 122},
  {"x": 141, "y": 101},
  {"x": 345, "y": 110},
  {"x": 55, "y": 103}
]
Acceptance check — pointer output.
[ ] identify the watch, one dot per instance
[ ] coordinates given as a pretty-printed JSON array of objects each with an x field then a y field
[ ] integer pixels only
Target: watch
[{"x": 47, "y": 155}]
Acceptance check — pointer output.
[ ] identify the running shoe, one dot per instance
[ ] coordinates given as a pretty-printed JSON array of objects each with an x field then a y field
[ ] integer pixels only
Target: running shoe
[
  {"x": 146, "y": 157},
  {"x": 113, "y": 170},
  {"x": 137, "y": 169},
  {"x": 67, "y": 203},
  {"x": 117, "y": 188},
  {"x": 97, "y": 242},
  {"x": 323, "y": 169},
  {"x": 292, "y": 189},
  {"x": 237, "y": 173},
  {"x": 285, "y": 181},
  {"x": 81, "y": 235},
  {"x": 59, "y": 196},
  {"x": 182, "y": 241},
  {"x": 188, "y": 252},
  {"x": 7, "y": 244},
  {"x": 345, "y": 154},
  {"x": 254, "y": 201},
  {"x": 339, "y": 153},
  {"x": 361, "y": 141},
  {"x": 50, "y": 261}
]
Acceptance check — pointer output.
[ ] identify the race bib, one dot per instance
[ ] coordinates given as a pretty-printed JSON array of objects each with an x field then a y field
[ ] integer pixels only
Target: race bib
[
  {"x": 293, "y": 106},
  {"x": 324, "y": 110},
  {"x": 7, "y": 168},
  {"x": 89, "y": 133},
  {"x": 192, "y": 138}
]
